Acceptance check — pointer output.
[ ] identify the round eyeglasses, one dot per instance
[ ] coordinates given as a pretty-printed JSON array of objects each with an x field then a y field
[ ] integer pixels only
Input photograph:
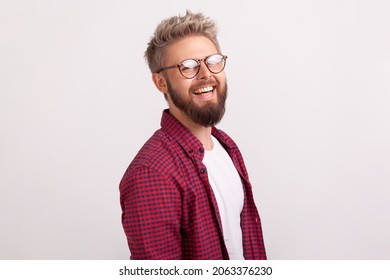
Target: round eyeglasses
[{"x": 189, "y": 68}]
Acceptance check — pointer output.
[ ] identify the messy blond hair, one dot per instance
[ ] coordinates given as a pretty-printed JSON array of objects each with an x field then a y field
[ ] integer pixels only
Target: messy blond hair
[{"x": 175, "y": 28}]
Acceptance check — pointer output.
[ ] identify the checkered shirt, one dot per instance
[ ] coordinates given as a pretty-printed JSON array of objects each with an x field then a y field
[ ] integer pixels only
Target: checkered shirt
[{"x": 169, "y": 208}]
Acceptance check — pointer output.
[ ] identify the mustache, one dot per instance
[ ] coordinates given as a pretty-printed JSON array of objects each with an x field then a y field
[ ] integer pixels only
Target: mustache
[{"x": 209, "y": 82}]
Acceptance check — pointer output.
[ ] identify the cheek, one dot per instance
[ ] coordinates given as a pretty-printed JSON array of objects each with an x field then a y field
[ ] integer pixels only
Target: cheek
[
  {"x": 221, "y": 78},
  {"x": 184, "y": 87}
]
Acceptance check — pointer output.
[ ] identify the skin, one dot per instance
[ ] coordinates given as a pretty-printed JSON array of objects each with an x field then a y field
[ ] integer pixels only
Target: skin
[{"x": 190, "y": 47}]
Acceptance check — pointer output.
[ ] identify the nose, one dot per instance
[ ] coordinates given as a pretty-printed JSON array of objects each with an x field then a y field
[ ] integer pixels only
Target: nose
[{"x": 204, "y": 72}]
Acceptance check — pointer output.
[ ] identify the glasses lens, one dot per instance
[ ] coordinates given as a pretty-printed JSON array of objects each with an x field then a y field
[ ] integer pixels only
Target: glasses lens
[
  {"x": 189, "y": 68},
  {"x": 215, "y": 63}
]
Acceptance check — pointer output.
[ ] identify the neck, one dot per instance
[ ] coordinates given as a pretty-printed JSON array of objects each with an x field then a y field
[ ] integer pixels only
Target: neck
[{"x": 203, "y": 133}]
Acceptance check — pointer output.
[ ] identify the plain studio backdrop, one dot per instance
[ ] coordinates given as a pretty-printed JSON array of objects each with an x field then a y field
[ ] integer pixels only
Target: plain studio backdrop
[{"x": 309, "y": 106}]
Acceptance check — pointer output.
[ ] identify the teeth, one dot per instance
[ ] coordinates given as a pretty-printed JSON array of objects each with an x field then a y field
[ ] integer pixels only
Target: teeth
[{"x": 203, "y": 90}]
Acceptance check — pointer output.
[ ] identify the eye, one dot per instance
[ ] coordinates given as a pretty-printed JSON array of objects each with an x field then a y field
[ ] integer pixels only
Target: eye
[
  {"x": 189, "y": 65},
  {"x": 214, "y": 59}
]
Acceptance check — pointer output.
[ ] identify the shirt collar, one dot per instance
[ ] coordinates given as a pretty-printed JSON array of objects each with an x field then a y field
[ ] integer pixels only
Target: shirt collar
[
  {"x": 187, "y": 139},
  {"x": 223, "y": 138}
]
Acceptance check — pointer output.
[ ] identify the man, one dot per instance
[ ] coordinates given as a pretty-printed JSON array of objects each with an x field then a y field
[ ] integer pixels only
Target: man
[{"x": 186, "y": 194}]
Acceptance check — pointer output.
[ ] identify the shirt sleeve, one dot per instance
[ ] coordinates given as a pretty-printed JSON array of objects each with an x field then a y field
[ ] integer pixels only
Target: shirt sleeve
[{"x": 151, "y": 211}]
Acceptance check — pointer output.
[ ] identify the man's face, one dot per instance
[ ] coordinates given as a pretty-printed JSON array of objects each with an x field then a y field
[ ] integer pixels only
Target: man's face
[{"x": 202, "y": 98}]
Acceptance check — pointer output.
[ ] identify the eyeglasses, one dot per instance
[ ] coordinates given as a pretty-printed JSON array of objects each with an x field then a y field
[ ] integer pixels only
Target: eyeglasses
[{"x": 189, "y": 68}]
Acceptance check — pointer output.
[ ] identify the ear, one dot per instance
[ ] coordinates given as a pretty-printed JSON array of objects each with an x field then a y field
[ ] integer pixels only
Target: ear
[{"x": 160, "y": 82}]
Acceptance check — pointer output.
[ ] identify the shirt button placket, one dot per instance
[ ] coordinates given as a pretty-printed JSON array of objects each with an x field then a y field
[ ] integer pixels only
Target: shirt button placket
[{"x": 202, "y": 170}]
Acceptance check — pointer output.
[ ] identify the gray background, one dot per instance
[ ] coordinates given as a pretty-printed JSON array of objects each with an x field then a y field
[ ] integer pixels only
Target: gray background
[{"x": 309, "y": 99}]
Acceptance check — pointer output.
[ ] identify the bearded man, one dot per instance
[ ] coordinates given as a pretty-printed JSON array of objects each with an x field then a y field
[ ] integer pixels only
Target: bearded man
[{"x": 186, "y": 194}]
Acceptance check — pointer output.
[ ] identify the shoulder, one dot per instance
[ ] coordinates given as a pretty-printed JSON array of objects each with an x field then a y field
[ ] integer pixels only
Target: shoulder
[{"x": 158, "y": 154}]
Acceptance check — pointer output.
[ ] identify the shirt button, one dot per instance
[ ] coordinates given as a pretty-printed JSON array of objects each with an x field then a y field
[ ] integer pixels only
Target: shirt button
[
  {"x": 201, "y": 150},
  {"x": 203, "y": 170},
  {"x": 190, "y": 151}
]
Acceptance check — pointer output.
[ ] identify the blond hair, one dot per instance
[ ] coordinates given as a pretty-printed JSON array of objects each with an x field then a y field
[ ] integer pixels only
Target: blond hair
[{"x": 175, "y": 28}]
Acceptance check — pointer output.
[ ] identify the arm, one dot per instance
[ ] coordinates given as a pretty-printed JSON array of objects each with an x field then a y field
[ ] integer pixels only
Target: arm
[{"x": 151, "y": 211}]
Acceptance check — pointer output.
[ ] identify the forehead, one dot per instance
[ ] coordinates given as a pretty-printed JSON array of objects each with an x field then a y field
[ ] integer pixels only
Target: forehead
[{"x": 189, "y": 47}]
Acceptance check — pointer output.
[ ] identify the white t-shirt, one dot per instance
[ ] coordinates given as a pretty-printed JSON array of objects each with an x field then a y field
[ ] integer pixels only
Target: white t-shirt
[{"x": 228, "y": 190}]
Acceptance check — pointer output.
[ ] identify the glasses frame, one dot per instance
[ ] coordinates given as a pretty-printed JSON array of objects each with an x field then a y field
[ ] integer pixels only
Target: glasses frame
[{"x": 224, "y": 57}]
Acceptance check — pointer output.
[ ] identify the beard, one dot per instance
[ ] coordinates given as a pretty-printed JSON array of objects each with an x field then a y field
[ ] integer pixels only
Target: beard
[{"x": 209, "y": 114}]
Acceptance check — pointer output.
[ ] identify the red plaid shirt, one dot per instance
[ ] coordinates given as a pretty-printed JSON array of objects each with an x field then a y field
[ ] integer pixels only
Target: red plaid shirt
[{"x": 169, "y": 209}]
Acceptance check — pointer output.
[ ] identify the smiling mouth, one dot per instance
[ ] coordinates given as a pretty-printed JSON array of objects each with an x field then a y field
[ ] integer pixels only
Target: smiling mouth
[{"x": 203, "y": 90}]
